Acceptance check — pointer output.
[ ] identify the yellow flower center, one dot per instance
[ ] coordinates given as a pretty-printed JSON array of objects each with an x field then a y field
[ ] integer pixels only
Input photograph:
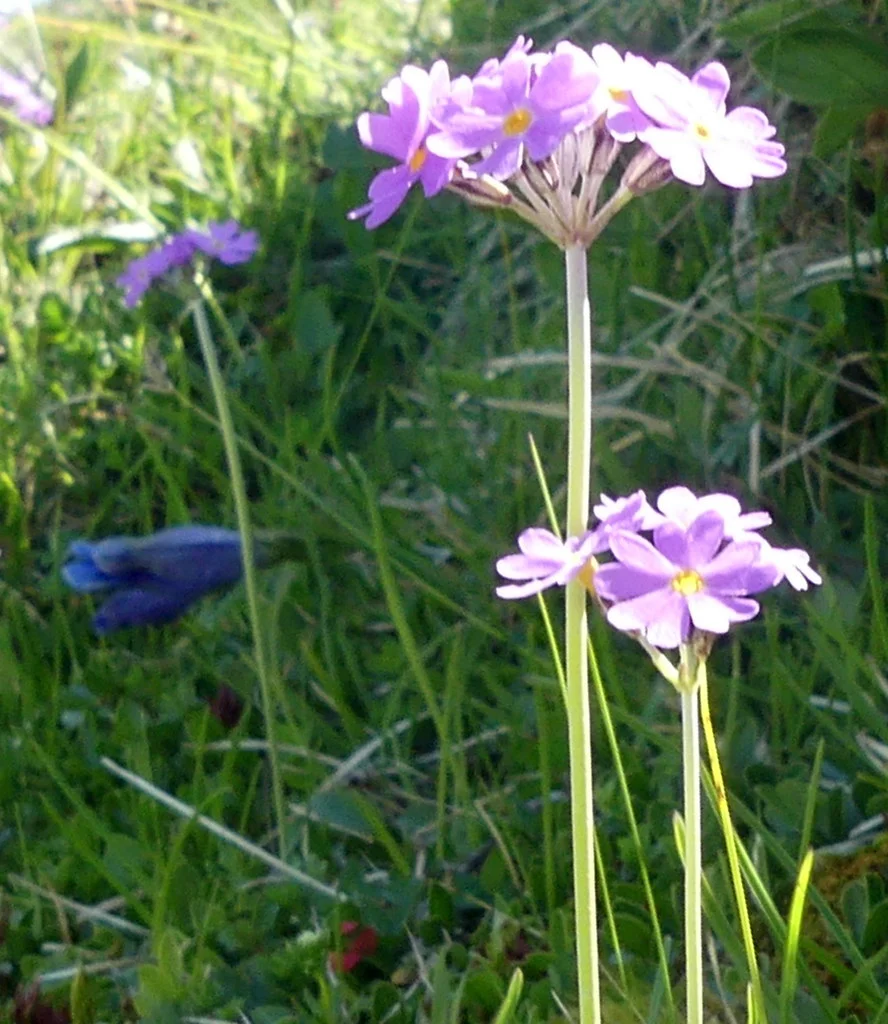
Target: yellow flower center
[
  {"x": 517, "y": 122},
  {"x": 418, "y": 159},
  {"x": 687, "y": 582},
  {"x": 618, "y": 94},
  {"x": 586, "y": 575},
  {"x": 702, "y": 131}
]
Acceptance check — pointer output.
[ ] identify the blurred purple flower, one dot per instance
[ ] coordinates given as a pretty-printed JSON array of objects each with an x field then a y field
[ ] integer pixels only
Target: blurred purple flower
[
  {"x": 692, "y": 131},
  {"x": 545, "y": 561},
  {"x": 225, "y": 241},
  {"x": 179, "y": 249},
  {"x": 401, "y": 134},
  {"x": 684, "y": 579},
  {"x": 17, "y": 93},
  {"x": 153, "y": 580},
  {"x": 528, "y": 103},
  {"x": 141, "y": 273}
]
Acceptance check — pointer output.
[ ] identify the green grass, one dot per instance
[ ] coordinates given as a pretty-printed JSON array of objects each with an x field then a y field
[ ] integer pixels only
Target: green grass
[{"x": 383, "y": 387}]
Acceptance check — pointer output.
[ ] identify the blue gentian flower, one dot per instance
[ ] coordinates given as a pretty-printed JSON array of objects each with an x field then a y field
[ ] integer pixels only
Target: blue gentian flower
[{"x": 155, "y": 579}]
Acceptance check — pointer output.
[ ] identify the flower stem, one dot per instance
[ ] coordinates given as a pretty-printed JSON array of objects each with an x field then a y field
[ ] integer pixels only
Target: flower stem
[
  {"x": 579, "y": 724},
  {"x": 690, "y": 745},
  {"x": 730, "y": 835},
  {"x": 242, "y": 509}
]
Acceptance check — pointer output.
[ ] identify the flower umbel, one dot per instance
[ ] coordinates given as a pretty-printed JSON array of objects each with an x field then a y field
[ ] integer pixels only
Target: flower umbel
[
  {"x": 538, "y": 132},
  {"x": 153, "y": 580},
  {"x": 698, "y": 572},
  {"x": 526, "y": 103}
]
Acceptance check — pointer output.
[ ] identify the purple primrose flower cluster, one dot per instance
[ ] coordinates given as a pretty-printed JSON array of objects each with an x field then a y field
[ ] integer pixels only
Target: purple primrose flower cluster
[
  {"x": 529, "y": 108},
  {"x": 226, "y": 242},
  {"x": 697, "y": 572}
]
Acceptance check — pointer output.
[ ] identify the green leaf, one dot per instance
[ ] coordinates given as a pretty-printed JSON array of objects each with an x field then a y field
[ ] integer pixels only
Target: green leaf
[
  {"x": 837, "y": 126},
  {"x": 783, "y": 17},
  {"x": 855, "y": 908},
  {"x": 825, "y": 65},
  {"x": 83, "y": 1006},
  {"x": 76, "y": 74},
  {"x": 510, "y": 1003},
  {"x": 875, "y": 934},
  {"x": 484, "y": 990}
]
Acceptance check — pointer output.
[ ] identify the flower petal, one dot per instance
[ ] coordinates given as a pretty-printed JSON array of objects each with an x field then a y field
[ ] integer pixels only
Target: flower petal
[
  {"x": 661, "y": 614},
  {"x": 515, "y": 591},
  {"x": 617, "y": 582},
  {"x": 704, "y": 537},
  {"x": 713, "y": 81},
  {"x": 640, "y": 554},
  {"x": 142, "y": 606}
]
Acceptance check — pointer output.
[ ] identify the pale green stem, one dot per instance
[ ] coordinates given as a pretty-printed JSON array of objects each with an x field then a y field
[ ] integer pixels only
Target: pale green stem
[
  {"x": 690, "y": 746},
  {"x": 579, "y": 725},
  {"x": 242, "y": 510},
  {"x": 724, "y": 814}
]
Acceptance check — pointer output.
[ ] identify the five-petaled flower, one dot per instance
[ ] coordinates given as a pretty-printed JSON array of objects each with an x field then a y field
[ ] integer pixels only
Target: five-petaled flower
[
  {"x": 524, "y": 103},
  {"x": 546, "y": 561},
  {"x": 684, "y": 579},
  {"x": 153, "y": 580},
  {"x": 692, "y": 130},
  {"x": 402, "y": 134}
]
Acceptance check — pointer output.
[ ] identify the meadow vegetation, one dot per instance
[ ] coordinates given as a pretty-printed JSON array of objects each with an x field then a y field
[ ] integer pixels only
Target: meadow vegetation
[{"x": 383, "y": 386}]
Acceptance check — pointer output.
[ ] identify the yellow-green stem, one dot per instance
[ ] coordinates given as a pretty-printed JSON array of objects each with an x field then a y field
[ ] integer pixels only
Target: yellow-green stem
[
  {"x": 579, "y": 725},
  {"x": 730, "y": 835},
  {"x": 242, "y": 510},
  {"x": 690, "y": 746}
]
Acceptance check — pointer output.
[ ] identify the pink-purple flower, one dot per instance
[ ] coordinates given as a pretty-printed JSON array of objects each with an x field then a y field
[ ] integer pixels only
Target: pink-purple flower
[
  {"x": 624, "y": 119},
  {"x": 681, "y": 506},
  {"x": 546, "y": 561},
  {"x": 401, "y": 134},
  {"x": 685, "y": 579},
  {"x": 225, "y": 241},
  {"x": 17, "y": 93},
  {"x": 526, "y": 103},
  {"x": 692, "y": 129}
]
